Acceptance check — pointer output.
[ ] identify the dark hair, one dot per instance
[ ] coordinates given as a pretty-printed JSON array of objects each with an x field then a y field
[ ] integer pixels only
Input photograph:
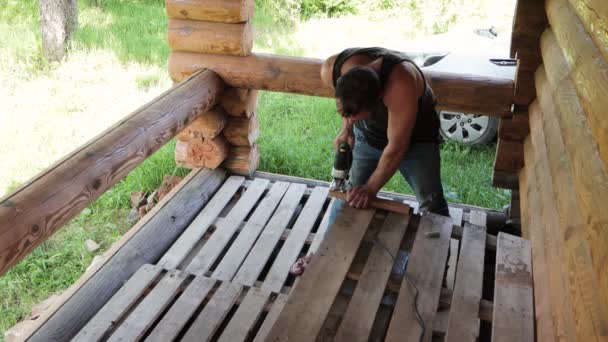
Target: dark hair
[{"x": 358, "y": 89}]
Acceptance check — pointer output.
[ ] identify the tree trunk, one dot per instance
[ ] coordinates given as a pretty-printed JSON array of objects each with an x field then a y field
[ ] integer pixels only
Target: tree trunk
[{"x": 58, "y": 21}]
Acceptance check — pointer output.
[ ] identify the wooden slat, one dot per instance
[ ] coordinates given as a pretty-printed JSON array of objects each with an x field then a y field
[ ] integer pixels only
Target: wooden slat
[
  {"x": 458, "y": 92},
  {"x": 120, "y": 303},
  {"x": 206, "y": 324},
  {"x": 513, "y": 294},
  {"x": 146, "y": 245},
  {"x": 314, "y": 294},
  {"x": 322, "y": 230},
  {"x": 146, "y": 312},
  {"x": 359, "y": 317},
  {"x": 222, "y": 235},
  {"x": 456, "y": 215},
  {"x": 413, "y": 204},
  {"x": 590, "y": 176},
  {"x": 242, "y": 323},
  {"x": 587, "y": 67},
  {"x": 478, "y": 218},
  {"x": 463, "y": 323},
  {"x": 554, "y": 242},
  {"x": 425, "y": 270},
  {"x": 179, "y": 314},
  {"x": 36, "y": 210},
  {"x": 180, "y": 249},
  {"x": 248, "y": 235},
  {"x": 591, "y": 315},
  {"x": 452, "y": 264},
  {"x": 261, "y": 251},
  {"x": 295, "y": 241},
  {"x": 271, "y": 318}
]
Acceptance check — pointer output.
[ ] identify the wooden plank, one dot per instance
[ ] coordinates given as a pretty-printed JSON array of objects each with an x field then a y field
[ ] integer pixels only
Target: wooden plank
[
  {"x": 590, "y": 314},
  {"x": 313, "y": 295},
  {"x": 509, "y": 155},
  {"x": 248, "y": 235},
  {"x": 513, "y": 294},
  {"x": 146, "y": 246},
  {"x": 206, "y": 324},
  {"x": 478, "y": 218},
  {"x": 463, "y": 322},
  {"x": 261, "y": 251},
  {"x": 36, "y": 210},
  {"x": 146, "y": 312},
  {"x": 425, "y": 270},
  {"x": 414, "y": 205},
  {"x": 246, "y": 316},
  {"x": 180, "y": 249},
  {"x": 295, "y": 241},
  {"x": 452, "y": 264},
  {"x": 542, "y": 300},
  {"x": 119, "y": 304},
  {"x": 378, "y": 203},
  {"x": 558, "y": 281},
  {"x": 271, "y": 318},
  {"x": 322, "y": 230},
  {"x": 594, "y": 16},
  {"x": 515, "y": 128},
  {"x": 457, "y": 92},
  {"x": 456, "y": 215},
  {"x": 179, "y": 314},
  {"x": 225, "y": 11},
  {"x": 359, "y": 318},
  {"x": 590, "y": 176},
  {"x": 505, "y": 179},
  {"x": 222, "y": 235},
  {"x": 587, "y": 67}
]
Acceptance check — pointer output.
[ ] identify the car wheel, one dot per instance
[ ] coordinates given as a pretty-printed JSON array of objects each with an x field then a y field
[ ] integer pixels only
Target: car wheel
[{"x": 468, "y": 129}]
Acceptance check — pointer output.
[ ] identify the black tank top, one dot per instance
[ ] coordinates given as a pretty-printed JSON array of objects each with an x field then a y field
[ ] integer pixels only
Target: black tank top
[{"x": 374, "y": 126}]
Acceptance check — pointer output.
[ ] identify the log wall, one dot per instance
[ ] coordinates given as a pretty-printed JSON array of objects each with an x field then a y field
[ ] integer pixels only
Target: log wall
[{"x": 564, "y": 183}]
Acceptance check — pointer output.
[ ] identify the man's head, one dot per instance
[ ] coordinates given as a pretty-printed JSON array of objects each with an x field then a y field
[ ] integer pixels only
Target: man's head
[{"x": 358, "y": 91}]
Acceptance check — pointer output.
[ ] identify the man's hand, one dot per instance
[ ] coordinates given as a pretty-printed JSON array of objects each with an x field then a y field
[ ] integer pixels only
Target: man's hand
[
  {"x": 346, "y": 136},
  {"x": 360, "y": 196}
]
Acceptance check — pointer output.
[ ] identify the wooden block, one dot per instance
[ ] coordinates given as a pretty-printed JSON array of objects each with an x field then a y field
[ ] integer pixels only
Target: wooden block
[
  {"x": 209, "y": 37},
  {"x": 242, "y": 131},
  {"x": 225, "y": 11},
  {"x": 195, "y": 153},
  {"x": 515, "y": 128},
  {"x": 505, "y": 179},
  {"x": 425, "y": 270},
  {"x": 243, "y": 160},
  {"x": 295, "y": 241},
  {"x": 513, "y": 294},
  {"x": 208, "y": 125},
  {"x": 195, "y": 231},
  {"x": 233, "y": 259},
  {"x": 463, "y": 323},
  {"x": 359, "y": 318},
  {"x": 214, "y": 246},
  {"x": 240, "y": 102},
  {"x": 509, "y": 155},
  {"x": 528, "y": 23},
  {"x": 120, "y": 303},
  {"x": 586, "y": 66},
  {"x": 324, "y": 275}
]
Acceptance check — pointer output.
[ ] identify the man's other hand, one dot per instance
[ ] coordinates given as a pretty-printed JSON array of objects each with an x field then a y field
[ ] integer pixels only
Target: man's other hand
[
  {"x": 360, "y": 196},
  {"x": 346, "y": 136}
]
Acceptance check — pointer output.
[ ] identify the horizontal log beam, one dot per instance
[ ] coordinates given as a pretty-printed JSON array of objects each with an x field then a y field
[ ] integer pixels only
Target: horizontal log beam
[
  {"x": 34, "y": 212},
  {"x": 207, "y": 37},
  {"x": 224, "y": 11},
  {"x": 457, "y": 92}
]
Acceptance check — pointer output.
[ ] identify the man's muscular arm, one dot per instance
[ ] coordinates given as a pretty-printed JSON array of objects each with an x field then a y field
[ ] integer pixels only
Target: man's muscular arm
[{"x": 401, "y": 98}]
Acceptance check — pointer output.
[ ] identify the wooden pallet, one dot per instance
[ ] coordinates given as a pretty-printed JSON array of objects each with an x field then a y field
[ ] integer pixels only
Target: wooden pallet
[{"x": 227, "y": 276}]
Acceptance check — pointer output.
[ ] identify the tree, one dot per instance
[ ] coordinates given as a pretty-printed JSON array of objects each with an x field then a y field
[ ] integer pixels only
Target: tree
[{"x": 58, "y": 21}]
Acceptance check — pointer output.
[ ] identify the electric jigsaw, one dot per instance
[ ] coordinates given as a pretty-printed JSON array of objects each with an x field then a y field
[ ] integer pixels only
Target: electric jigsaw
[{"x": 342, "y": 164}]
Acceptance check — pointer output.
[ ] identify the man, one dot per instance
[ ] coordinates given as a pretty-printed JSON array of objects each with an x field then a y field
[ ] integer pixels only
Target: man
[{"x": 389, "y": 119}]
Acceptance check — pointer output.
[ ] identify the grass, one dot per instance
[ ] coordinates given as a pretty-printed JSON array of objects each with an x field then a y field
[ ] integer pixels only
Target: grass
[{"x": 117, "y": 64}]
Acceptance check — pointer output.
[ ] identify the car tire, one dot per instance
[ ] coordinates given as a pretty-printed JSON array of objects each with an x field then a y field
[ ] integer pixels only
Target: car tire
[{"x": 468, "y": 129}]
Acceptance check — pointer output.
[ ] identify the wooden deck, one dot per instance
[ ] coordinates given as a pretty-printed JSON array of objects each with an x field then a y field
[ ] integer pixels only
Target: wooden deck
[{"x": 226, "y": 278}]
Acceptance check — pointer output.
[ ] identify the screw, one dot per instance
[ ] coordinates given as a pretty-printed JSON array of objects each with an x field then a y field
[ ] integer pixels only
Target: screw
[
  {"x": 469, "y": 121},
  {"x": 458, "y": 117},
  {"x": 462, "y": 124}
]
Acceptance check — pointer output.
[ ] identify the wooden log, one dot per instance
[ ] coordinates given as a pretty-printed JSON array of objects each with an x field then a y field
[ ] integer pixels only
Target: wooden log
[
  {"x": 209, "y": 125},
  {"x": 242, "y": 131},
  {"x": 594, "y": 15},
  {"x": 243, "y": 160},
  {"x": 240, "y": 102},
  {"x": 208, "y": 37},
  {"x": 209, "y": 153},
  {"x": 515, "y": 128},
  {"x": 590, "y": 177},
  {"x": 529, "y": 22},
  {"x": 505, "y": 179},
  {"x": 458, "y": 92},
  {"x": 35, "y": 211},
  {"x": 587, "y": 67},
  {"x": 146, "y": 245},
  {"x": 225, "y": 11},
  {"x": 509, "y": 155}
]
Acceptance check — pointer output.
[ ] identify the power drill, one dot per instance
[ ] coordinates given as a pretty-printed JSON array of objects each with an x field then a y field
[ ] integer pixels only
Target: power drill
[{"x": 342, "y": 164}]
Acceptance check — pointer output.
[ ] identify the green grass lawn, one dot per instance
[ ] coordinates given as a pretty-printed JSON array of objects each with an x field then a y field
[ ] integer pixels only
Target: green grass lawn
[{"x": 296, "y": 136}]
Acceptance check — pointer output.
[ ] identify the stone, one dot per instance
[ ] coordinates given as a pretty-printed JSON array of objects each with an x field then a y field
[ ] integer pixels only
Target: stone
[
  {"x": 91, "y": 245},
  {"x": 169, "y": 182}
]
